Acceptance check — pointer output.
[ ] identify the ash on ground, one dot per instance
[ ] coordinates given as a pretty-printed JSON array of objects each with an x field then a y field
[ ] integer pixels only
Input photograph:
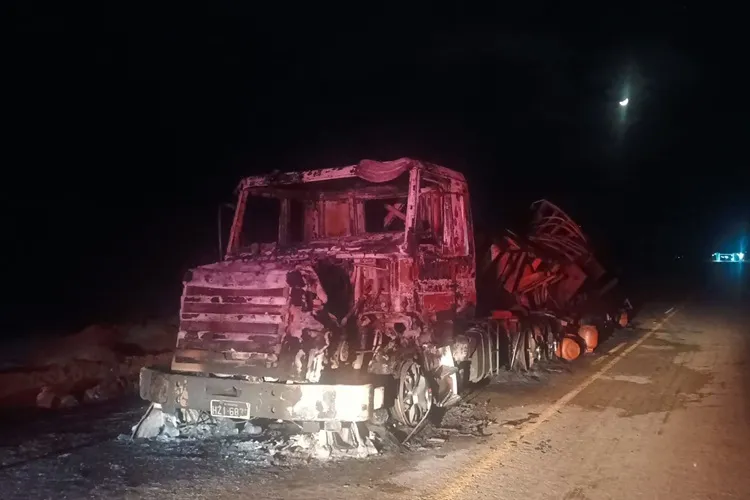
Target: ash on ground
[
  {"x": 541, "y": 372},
  {"x": 471, "y": 418},
  {"x": 261, "y": 443},
  {"x": 283, "y": 443},
  {"x": 465, "y": 420}
]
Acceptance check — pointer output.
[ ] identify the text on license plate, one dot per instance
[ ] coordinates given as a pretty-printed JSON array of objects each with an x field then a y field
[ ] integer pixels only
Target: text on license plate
[{"x": 230, "y": 409}]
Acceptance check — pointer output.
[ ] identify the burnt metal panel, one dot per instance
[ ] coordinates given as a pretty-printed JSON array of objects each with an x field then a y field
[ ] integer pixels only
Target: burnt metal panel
[
  {"x": 252, "y": 344},
  {"x": 232, "y": 308},
  {"x": 229, "y": 327},
  {"x": 234, "y": 292}
]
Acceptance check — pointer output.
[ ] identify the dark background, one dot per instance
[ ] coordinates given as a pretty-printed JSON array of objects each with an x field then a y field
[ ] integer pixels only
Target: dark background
[{"x": 127, "y": 127}]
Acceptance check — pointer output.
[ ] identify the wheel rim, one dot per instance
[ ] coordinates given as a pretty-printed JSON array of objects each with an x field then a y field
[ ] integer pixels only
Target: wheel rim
[
  {"x": 551, "y": 344},
  {"x": 414, "y": 398},
  {"x": 531, "y": 349}
]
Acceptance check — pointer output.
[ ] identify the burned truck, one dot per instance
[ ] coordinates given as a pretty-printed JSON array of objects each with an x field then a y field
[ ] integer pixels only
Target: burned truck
[{"x": 345, "y": 295}]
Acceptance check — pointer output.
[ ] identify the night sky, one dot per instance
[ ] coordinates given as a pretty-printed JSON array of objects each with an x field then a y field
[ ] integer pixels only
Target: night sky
[{"x": 129, "y": 127}]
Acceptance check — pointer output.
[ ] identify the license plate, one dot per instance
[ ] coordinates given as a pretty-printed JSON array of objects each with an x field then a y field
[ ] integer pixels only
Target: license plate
[{"x": 230, "y": 409}]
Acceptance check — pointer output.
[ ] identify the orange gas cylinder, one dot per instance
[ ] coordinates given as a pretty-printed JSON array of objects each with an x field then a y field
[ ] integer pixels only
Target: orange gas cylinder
[
  {"x": 568, "y": 349},
  {"x": 623, "y": 321},
  {"x": 590, "y": 336}
]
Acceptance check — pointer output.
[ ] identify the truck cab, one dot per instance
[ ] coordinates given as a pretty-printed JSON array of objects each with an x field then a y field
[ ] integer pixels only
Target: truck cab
[{"x": 336, "y": 284}]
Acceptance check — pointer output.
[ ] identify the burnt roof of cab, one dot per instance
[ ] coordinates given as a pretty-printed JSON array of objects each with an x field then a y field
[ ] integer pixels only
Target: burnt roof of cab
[{"x": 326, "y": 174}]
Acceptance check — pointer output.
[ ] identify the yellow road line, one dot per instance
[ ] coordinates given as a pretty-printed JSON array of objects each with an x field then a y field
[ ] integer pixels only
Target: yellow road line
[
  {"x": 604, "y": 358},
  {"x": 617, "y": 348},
  {"x": 489, "y": 461}
]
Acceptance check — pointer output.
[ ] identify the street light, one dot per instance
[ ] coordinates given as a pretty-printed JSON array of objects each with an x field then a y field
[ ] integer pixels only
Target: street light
[{"x": 624, "y": 102}]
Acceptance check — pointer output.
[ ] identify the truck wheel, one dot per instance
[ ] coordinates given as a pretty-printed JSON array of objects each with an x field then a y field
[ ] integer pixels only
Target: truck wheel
[
  {"x": 517, "y": 352},
  {"x": 550, "y": 342},
  {"x": 414, "y": 396},
  {"x": 530, "y": 348},
  {"x": 526, "y": 348}
]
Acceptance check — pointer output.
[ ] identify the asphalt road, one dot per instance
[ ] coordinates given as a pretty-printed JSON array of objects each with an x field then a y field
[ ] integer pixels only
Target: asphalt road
[{"x": 661, "y": 412}]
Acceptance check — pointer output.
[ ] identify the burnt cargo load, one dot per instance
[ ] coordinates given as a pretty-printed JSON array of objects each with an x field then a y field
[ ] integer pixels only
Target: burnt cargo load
[{"x": 349, "y": 295}]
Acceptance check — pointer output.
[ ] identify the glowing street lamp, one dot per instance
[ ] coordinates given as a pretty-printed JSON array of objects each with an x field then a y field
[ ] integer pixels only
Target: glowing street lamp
[{"x": 624, "y": 102}]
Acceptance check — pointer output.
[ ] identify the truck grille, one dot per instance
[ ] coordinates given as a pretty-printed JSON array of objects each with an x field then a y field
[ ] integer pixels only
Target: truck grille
[{"x": 233, "y": 325}]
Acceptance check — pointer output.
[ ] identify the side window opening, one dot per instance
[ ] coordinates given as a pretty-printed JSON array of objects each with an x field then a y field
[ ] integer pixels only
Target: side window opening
[{"x": 262, "y": 221}]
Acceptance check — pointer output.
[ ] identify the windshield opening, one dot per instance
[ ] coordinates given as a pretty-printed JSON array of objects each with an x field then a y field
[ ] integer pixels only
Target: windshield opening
[
  {"x": 308, "y": 212},
  {"x": 261, "y": 221}
]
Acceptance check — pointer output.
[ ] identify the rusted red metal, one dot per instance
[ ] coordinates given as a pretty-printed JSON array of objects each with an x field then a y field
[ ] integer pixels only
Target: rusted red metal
[
  {"x": 546, "y": 268},
  {"x": 523, "y": 272},
  {"x": 555, "y": 230}
]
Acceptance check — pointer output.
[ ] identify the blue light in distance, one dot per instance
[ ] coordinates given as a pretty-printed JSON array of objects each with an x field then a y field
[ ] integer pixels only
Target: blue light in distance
[{"x": 728, "y": 257}]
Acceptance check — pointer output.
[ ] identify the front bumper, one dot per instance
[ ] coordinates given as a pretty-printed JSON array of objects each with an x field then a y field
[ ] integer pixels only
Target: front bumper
[{"x": 300, "y": 402}]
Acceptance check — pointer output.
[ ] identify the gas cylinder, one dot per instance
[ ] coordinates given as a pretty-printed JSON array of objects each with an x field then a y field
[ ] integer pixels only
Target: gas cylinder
[
  {"x": 623, "y": 321},
  {"x": 590, "y": 336},
  {"x": 568, "y": 349}
]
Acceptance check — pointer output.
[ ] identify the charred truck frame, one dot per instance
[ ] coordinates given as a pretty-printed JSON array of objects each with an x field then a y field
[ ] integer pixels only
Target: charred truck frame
[{"x": 345, "y": 295}]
